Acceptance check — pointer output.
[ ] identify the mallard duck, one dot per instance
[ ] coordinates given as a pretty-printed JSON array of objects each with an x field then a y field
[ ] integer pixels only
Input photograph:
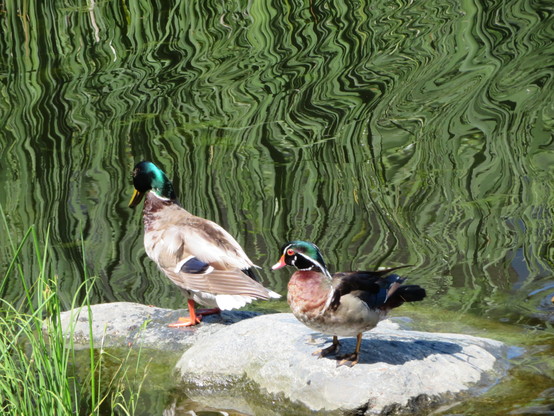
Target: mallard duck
[
  {"x": 342, "y": 304},
  {"x": 196, "y": 254}
]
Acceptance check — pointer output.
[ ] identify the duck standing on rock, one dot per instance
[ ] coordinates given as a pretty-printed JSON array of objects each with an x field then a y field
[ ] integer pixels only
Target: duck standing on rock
[
  {"x": 196, "y": 254},
  {"x": 346, "y": 303}
]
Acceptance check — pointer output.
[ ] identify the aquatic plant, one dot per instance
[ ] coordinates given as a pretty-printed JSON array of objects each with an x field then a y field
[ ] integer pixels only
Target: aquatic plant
[{"x": 39, "y": 365}]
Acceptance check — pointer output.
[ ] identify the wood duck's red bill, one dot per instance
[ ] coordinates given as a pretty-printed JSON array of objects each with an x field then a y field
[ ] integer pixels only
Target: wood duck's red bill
[{"x": 280, "y": 263}]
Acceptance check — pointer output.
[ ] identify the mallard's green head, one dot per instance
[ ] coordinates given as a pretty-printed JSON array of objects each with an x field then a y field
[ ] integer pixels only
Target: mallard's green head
[
  {"x": 146, "y": 177},
  {"x": 302, "y": 255}
]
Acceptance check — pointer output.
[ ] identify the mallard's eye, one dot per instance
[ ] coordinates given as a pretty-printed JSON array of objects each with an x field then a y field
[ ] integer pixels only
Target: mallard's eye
[{"x": 290, "y": 252}]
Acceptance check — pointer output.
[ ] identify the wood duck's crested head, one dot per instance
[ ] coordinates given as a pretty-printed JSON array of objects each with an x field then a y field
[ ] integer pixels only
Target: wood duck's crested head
[
  {"x": 149, "y": 177},
  {"x": 302, "y": 255}
]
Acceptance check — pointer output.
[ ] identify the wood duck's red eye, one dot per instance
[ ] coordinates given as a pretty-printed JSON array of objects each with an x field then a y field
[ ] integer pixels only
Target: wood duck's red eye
[{"x": 290, "y": 252}]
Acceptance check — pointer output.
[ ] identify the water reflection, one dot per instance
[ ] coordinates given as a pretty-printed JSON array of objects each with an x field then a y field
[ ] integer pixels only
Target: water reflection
[
  {"x": 409, "y": 133},
  {"x": 405, "y": 132}
]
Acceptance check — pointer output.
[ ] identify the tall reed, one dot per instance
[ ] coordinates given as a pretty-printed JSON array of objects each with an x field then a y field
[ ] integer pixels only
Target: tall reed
[{"x": 39, "y": 374}]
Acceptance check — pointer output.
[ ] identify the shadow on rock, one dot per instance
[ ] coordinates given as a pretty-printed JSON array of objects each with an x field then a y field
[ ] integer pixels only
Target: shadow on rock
[
  {"x": 393, "y": 352},
  {"x": 229, "y": 317}
]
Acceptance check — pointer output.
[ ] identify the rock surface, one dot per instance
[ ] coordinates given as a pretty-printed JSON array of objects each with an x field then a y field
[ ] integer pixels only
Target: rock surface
[
  {"x": 263, "y": 364},
  {"x": 120, "y": 324},
  {"x": 399, "y": 370}
]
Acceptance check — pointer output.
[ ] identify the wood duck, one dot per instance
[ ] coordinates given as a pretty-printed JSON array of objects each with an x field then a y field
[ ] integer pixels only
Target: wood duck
[
  {"x": 196, "y": 254},
  {"x": 345, "y": 303}
]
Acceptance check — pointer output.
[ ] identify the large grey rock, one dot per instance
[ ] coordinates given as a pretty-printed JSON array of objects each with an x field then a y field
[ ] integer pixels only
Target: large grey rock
[
  {"x": 264, "y": 365},
  {"x": 399, "y": 370}
]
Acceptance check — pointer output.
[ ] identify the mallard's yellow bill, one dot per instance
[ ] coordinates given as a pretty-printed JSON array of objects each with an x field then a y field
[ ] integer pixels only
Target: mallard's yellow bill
[{"x": 136, "y": 198}]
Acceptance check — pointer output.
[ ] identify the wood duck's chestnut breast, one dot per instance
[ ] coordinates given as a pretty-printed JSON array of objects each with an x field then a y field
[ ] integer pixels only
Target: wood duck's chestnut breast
[{"x": 307, "y": 292}]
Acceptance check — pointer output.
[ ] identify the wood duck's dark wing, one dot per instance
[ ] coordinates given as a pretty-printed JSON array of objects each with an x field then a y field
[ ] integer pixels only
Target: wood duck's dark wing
[
  {"x": 385, "y": 272},
  {"x": 374, "y": 288},
  {"x": 405, "y": 293}
]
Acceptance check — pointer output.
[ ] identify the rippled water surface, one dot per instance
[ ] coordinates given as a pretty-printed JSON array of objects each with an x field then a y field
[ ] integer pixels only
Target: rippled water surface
[{"x": 390, "y": 133}]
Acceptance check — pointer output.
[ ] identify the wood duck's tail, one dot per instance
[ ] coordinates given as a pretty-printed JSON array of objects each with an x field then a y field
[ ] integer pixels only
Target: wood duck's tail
[{"x": 405, "y": 293}]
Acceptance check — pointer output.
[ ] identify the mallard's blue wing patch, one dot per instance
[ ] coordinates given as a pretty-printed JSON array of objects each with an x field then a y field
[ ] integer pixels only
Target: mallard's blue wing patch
[{"x": 194, "y": 265}]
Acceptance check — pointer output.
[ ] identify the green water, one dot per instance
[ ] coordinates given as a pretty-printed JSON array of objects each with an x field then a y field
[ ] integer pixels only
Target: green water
[{"x": 390, "y": 133}]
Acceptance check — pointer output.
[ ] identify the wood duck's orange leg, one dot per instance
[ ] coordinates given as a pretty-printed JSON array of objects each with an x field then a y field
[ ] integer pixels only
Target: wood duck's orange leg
[
  {"x": 332, "y": 349},
  {"x": 191, "y": 320},
  {"x": 351, "y": 359}
]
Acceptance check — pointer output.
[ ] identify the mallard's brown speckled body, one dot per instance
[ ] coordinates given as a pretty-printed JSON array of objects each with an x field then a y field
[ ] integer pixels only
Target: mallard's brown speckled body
[{"x": 196, "y": 254}]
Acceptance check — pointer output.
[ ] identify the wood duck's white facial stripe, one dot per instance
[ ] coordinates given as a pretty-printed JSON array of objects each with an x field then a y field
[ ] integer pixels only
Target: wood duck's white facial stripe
[
  {"x": 293, "y": 258},
  {"x": 193, "y": 265},
  {"x": 314, "y": 263}
]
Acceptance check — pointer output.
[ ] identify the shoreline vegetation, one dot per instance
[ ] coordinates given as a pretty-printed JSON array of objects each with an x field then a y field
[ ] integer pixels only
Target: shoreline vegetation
[{"x": 40, "y": 371}]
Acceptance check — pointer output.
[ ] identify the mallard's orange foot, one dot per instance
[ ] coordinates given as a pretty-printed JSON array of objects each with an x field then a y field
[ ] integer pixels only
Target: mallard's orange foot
[
  {"x": 186, "y": 322},
  {"x": 349, "y": 360},
  {"x": 331, "y": 349}
]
